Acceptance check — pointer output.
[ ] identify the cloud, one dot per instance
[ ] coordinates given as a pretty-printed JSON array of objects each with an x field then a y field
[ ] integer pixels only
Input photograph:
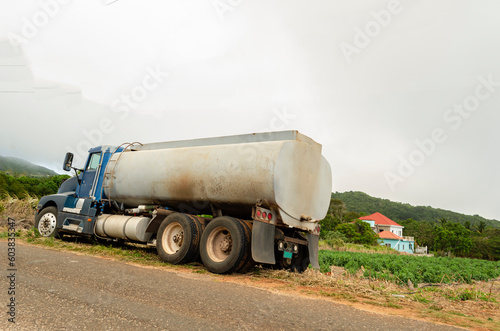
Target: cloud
[{"x": 227, "y": 77}]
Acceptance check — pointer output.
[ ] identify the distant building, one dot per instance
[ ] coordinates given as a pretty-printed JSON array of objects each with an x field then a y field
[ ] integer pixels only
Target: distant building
[
  {"x": 390, "y": 233},
  {"x": 421, "y": 250}
]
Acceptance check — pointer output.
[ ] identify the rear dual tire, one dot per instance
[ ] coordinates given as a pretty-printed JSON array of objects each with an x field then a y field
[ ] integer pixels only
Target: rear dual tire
[
  {"x": 225, "y": 246},
  {"x": 178, "y": 238}
]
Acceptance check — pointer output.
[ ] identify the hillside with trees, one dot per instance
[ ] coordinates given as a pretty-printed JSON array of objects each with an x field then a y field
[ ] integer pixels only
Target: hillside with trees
[
  {"x": 360, "y": 202},
  {"x": 18, "y": 167},
  {"x": 20, "y": 179},
  {"x": 442, "y": 231}
]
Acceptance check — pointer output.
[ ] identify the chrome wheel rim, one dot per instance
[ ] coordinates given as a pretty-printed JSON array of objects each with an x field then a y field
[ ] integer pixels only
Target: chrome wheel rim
[{"x": 47, "y": 224}]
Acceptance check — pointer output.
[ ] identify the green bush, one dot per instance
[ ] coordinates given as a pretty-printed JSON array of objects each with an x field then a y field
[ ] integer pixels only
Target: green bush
[
  {"x": 328, "y": 224},
  {"x": 358, "y": 232},
  {"x": 335, "y": 238}
]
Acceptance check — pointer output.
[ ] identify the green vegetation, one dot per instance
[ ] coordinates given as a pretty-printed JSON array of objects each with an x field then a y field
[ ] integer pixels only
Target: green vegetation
[
  {"x": 470, "y": 236},
  {"x": 349, "y": 247},
  {"x": 360, "y": 202},
  {"x": 401, "y": 268},
  {"x": 454, "y": 238},
  {"x": 21, "y": 179},
  {"x": 341, "y": 226},
  {"x": 358, "y": 232},
  {"x": 18, "y": 167},
  {"x": 22, "y": 187}
]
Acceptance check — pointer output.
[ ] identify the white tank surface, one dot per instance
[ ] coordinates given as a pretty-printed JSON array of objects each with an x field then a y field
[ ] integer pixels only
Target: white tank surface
[{"x": 284, "y": 170}]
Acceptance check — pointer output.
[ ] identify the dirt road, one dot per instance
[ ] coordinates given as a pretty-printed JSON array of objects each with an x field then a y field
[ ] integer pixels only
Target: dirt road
[{"x": 61, "y": 291}]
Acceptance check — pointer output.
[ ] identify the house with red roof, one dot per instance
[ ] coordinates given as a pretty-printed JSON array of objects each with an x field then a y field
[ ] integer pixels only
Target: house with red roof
[{"x": 390, "y": 232}]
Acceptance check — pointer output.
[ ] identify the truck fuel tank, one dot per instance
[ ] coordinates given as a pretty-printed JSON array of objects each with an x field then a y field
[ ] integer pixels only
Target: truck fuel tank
[{"x": 123, "y": 227}]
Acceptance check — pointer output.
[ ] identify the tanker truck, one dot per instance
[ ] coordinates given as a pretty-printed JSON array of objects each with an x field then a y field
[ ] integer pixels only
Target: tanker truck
[{"x": 232, "y": 202}]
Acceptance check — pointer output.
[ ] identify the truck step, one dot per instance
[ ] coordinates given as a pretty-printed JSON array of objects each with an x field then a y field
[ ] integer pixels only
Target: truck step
[{"x": 72, "y": 227}]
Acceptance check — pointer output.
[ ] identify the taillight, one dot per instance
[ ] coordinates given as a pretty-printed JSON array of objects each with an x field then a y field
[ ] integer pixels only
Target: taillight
[{"x": 265, "y": 215}]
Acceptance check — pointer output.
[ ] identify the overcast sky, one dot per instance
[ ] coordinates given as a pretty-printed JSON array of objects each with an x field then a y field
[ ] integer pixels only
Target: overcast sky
[{"x": 403, "y": 95}]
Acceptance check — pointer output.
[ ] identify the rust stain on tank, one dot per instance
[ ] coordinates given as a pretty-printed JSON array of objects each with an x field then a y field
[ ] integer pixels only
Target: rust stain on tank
[{"x": 182, "y": 187}]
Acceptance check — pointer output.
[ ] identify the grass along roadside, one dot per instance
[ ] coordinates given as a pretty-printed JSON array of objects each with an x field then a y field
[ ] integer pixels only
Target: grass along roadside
[
  {"x": 475, "y": 305},
  {"x": 23, "y": 211}
]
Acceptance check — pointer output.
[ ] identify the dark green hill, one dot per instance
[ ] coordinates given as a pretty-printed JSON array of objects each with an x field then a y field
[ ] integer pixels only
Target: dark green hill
[
  {"x": 18, "y": 167},
  {"x": 363, "y": 203}
]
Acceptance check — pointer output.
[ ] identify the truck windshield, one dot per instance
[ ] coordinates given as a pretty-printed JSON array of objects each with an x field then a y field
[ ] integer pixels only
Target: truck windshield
[{"x": 95, "y": 159}]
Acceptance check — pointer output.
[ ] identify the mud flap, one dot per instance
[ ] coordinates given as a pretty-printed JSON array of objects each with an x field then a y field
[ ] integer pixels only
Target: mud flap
[
  {"x": 313, "y": 249},
  {"x": 263, "y": 242}
]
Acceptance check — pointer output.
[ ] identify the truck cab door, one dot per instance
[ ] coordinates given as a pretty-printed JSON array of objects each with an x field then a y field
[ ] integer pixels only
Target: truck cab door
[{"x": 90, "y": 175}]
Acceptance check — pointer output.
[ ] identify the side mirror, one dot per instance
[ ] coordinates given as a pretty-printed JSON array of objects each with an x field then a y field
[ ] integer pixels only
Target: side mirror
[{"x": 68, "y": 161}]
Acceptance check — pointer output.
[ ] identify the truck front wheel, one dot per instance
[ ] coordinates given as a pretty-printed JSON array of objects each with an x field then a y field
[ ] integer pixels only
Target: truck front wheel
[
  {"x": 46, "y": 222},
  {"x": 225, "y": 245},
  {"x": 178, "y": 239}
]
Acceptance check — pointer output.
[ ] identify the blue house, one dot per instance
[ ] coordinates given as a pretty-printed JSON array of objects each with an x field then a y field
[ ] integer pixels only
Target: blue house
[{"x": 390, "y": 233}]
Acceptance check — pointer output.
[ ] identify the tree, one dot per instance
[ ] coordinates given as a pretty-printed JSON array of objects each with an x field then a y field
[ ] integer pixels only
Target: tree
[
  {"x": 337, "y": 209},
  {"x": 362, "y": 202},
  {"x": 486, "y": 244},
  {"x": 23, "y": 186},
  {"x": 17, "y": 189},
  {"x": 493, "y": 242},
  {"x": 334, "y": 217},
  {"x": 481, "y": 226},
  {"x": 453, "y": 237},
  {"x": 358, "y": 232},
  {"x": 328, "y": 224},
  {"x": 350, "y": 216},
  {"x": 423, "y": 231}
]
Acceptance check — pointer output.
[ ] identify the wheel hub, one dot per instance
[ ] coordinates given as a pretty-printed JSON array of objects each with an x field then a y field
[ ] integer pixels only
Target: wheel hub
[
  {"x": 219, "y": 244},
  {"x": 226, "y": 244},
  {"x": 172, "y": 238},
  {"x": 178, "y": 238}
]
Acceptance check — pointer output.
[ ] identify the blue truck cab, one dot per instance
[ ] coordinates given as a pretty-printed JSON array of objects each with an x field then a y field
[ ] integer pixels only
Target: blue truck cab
[{"x": 79, "y": 199}]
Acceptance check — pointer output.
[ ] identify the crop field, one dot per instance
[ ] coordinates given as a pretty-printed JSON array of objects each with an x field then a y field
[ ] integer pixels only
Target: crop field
[{"x": 418, "y": 269}]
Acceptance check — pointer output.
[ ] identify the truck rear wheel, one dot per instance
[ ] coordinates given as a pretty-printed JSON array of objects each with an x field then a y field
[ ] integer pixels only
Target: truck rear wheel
[
  {"x": 178, "y": 239},
  {"x": 248, "y": 262},
  {"x": 225, "y": 246},
  {"x": 298, "y": 263},
  {"x": 46, "y": 222}
]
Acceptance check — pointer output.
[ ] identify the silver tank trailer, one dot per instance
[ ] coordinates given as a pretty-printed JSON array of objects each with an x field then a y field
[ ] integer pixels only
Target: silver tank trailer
[{"x": 284, "y": 170}]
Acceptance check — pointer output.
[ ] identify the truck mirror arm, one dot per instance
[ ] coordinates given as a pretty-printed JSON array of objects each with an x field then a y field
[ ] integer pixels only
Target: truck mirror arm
[{"x": 76, "y": 173}]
